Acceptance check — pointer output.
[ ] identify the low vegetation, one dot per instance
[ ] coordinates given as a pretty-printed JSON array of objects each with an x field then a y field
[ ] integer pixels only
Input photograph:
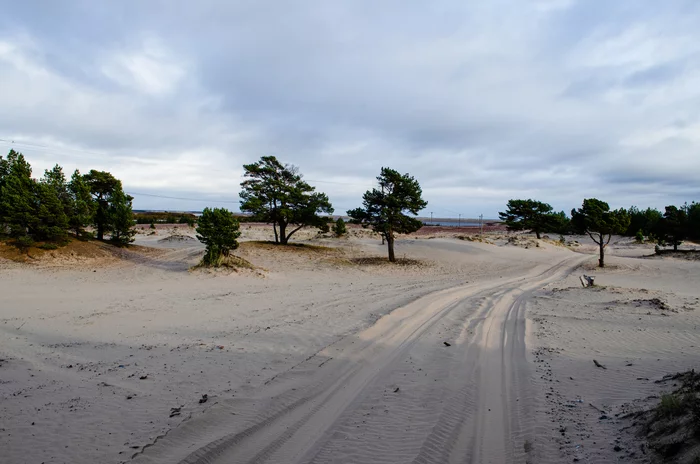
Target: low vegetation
[
  {"x": 672, "y": 427},
  {"x": 164, "y": 218}
]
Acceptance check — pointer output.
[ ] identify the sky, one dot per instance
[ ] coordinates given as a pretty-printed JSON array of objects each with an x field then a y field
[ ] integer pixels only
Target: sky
[{"x": 481, "y": 101}]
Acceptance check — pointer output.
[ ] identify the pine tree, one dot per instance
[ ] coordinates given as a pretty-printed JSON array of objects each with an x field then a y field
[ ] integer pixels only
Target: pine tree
[
  {"x": 121, "y": 218},
  {"x": 83, "y": 206},
  {"x": 17, "y": 199},
  {"x": 4, "y": 170},
  {"x": 383, "y": 208},
  {"x": 275, "y": 193},
  {"x": 339, "y": 228},
  {"x": 534, "y": 216},
  {"x": 596, "y": 219},
  {"x": 218, "y": 229},
  {"x": 102, "y": 186},
  {"x": 51, "y": 219},
  {"x": 53, "y": 205},
  {"x": 673, "y": 227}
]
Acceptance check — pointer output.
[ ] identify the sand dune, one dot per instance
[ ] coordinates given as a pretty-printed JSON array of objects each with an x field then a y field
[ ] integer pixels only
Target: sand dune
[{"x": 321, "y": 354}]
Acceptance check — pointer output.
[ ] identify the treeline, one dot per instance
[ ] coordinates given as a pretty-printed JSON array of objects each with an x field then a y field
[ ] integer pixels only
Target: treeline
[
  {"x": 52, "y": 207},
  {"x": 595, "y": 218},
  {"x": 152, "y": 217},
  {"x": 675, "y": 224}
]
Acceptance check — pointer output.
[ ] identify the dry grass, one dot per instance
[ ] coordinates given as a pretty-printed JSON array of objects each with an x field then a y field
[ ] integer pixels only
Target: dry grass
[
  {"x": 230, "y": 262},
  {"x": 672, "y": 428},
  {"x": 72, "y": 251}
]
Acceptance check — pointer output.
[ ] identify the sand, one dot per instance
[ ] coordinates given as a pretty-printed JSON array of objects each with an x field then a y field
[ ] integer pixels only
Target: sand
[{"x": 468, "y": 351}]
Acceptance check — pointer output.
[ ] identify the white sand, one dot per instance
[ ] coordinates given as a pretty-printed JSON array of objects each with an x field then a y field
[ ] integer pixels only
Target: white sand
[{"x": 316, "y": 358}]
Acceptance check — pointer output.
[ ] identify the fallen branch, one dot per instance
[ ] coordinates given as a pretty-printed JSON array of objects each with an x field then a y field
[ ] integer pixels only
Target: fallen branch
[
  {"x": 596, "y": 408},
  {"x": 597, "y": 364}
]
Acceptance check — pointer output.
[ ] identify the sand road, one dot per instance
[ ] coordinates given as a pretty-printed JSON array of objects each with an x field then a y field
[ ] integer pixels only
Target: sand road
[{"x": 393, "y": 393}]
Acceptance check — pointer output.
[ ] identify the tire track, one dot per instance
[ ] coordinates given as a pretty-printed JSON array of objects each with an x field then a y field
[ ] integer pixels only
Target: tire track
[{"x": 328, "y": 414}]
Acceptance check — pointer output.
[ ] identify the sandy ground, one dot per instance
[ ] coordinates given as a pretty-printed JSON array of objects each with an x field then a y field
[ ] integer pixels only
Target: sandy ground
[{"x": 469, "y": 351}]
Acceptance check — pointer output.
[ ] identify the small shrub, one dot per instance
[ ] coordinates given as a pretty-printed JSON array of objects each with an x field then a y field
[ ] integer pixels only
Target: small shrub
[
  {"x": 639, "y": 236},
  {"x": 218, "y": 230},
  {"x": 153, "y": 226},
  {"x": 339, "y": 228},
  {"x": 24, "y": 242},
  {"x": 562, "y": 239},
  {"x": 670, "y": 406},
  {"x": 48, "y": 246}
]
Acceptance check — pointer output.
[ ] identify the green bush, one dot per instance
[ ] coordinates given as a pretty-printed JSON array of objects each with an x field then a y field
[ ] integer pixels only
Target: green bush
[
  {"x": 218, "y": 230},
  {"x": 339, "y": 228},
  {"x": 24, "y": 242},
  {"x": 49, "y": 246},
  {"x": 671, "y": 405},
  {"x": 639, "y": 236}
]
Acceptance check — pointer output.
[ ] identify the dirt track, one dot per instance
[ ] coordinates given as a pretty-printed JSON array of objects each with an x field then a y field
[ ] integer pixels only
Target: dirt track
[{"x": 392, "y": 393}]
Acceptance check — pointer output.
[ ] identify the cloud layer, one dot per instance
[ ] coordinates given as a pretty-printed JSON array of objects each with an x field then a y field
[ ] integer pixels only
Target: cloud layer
[{"x": 482, "y": 101}]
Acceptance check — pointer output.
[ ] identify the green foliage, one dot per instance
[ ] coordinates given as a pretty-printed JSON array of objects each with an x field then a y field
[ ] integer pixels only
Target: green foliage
[
  {"x": 165, "y": 218},
  {"x": 639, "y": 236},
  {"x": 51, "y": 221},
  {"x": 673, "y": 227},
  {"x": 275, "y": 193},
  {"x": 339, "y": 228},
  {"x": 217, "y": 228},
  {"x": 383, "y": 208},
  {"x": 670, "y": 405},
  {"x": 120, "y": 218},
  {"x": 645, "y": 220},
  {"x": 24, "y": 242},
  {"x": 17, "y": 199},
  {"x": 46, "y": 209},
  {"x": 102, "y": 186},
  {"x": 597, "y": 220},
  {"x": 82, "y": 204},
  {"x": 49, "y": 246},
  {"x": 534, "y": 216},
  {"x": 693, "y": 211}
]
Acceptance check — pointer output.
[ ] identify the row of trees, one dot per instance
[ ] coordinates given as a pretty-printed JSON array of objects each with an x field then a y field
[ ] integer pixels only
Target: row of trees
[
  {"x": 50, "y": 208},
  {"x": 596, "y": 219},
  {"x": 277, "y": 194}
]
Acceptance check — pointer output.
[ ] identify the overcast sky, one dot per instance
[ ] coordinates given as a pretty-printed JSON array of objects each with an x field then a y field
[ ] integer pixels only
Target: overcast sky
[{"x": 481, "y": 101}]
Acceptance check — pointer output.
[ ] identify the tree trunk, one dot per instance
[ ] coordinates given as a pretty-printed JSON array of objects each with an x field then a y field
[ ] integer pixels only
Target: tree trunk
[
  {"x": 537, "y": 234},
  {"x": 390, "y": 245},
  {"x": 100, "y": 232},
  {"x": 601, "y": 261},
  {"x": 675, "y": 245},
  {"x": 274, "y": 227},
  {"x": 283, "y": 234}
]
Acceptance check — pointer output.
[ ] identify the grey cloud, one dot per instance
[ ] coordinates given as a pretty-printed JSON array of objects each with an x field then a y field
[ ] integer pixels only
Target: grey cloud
[{"x": 496, "y": 99}]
